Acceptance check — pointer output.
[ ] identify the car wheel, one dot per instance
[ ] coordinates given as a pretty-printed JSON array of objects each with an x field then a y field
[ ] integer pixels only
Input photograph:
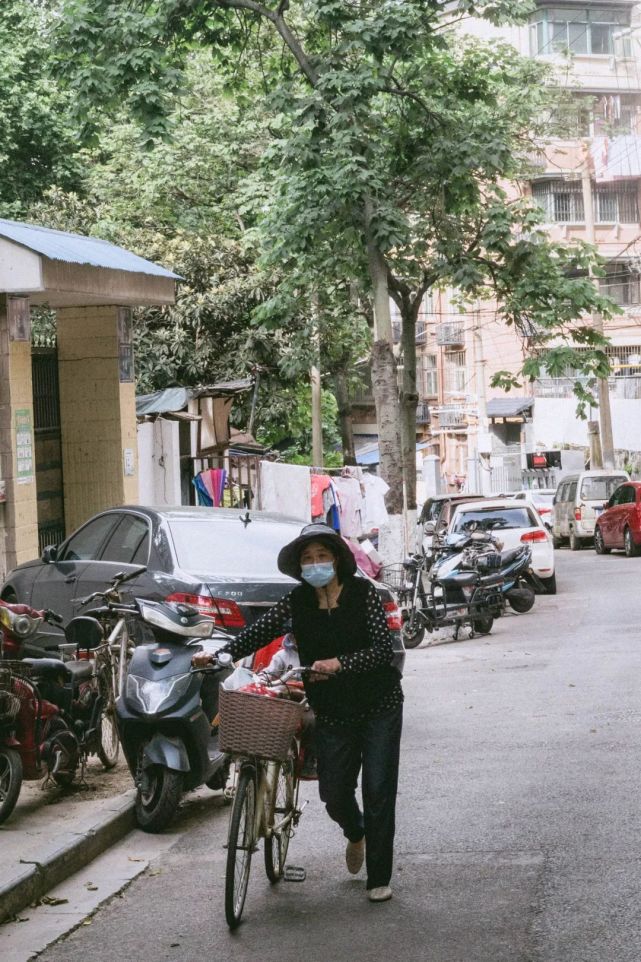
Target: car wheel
[
  {"x": 557, "y": 542},
  {"x": 631, "y": 549},
  {"x": 575, "y": 543},
  {"x": 599, "y": 543},
  {"x": 10, "y": 596},
  {"x": 549, "y": 584}
]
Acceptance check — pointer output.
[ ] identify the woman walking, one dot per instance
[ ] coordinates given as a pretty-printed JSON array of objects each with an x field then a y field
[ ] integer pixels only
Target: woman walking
[{"x": 340, "y": 627}]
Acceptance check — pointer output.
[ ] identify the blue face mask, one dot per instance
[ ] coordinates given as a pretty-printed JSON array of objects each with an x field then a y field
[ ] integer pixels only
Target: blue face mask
[{"x": 318, "y": 575}]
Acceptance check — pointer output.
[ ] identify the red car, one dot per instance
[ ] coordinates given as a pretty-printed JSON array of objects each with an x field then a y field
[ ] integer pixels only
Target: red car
[{"x": 619, "y": 524}]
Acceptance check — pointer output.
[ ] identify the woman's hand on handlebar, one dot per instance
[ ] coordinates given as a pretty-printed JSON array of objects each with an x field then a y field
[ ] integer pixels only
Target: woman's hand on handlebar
[
  {"x": 321, "y": 670},
  {"x": 202, "y": 659}
]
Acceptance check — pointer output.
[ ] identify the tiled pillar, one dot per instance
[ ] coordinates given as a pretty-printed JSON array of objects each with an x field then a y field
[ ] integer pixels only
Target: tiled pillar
[
  {"x": 97, "y": 411},
  {"x": 19, "y": 512}
]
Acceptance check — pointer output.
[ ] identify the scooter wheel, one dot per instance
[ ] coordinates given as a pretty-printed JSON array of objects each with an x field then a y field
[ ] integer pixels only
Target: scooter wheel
[
  {"x": 412, "y": 634},
  {"x": 10, "y": 781},
  {"x": 521, "y": 600},
  {"x": 158, "y": 797},
  {"x": 482, "y": 626}
]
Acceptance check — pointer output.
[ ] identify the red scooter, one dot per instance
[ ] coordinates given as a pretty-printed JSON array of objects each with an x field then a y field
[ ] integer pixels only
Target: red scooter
[{"x": 50, "y": 710}]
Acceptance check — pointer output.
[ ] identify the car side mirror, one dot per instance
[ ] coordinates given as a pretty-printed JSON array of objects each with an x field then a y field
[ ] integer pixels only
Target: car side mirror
[
  {"x": 50, "y": 554},
  {"x": 429, "y": 527}
]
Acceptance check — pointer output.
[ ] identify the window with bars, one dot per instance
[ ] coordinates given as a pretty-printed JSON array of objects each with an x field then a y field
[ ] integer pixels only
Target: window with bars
[
  {"x": 429, "y": 375},
  {"x": 583, "y": 32},
  {"x": 562, "y": 202},
  {"x": 455, "y": 372},
  {"x": 620, "y": 283}
]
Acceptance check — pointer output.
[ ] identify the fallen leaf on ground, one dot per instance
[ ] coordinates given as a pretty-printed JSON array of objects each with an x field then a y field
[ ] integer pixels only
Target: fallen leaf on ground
[
  {"x": 133, "y": 858},
  {"x": 155, "y": 871},
  {"x": 52, "y": 900},
  {"x": 92, "y": 887}
]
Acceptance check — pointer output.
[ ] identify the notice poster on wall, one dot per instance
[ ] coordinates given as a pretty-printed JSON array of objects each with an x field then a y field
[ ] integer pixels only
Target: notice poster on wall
[{"x": 25, "y": 469}]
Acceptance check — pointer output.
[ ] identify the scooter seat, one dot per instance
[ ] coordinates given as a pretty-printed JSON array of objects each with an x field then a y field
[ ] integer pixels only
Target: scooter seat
[
  {"x": 459, "y": 580},
  {"x": 48, "y": 667},
  {"x": 507, "y": 557},
  {"x": 493, "y": 579},
  {"x": 80, "y": 670}
]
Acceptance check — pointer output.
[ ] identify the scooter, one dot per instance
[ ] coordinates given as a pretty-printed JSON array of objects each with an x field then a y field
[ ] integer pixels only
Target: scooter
[
  {"x": 459, "y": 592},
  {"x": 170, "y": 743},
  {"x": 40, "y": 733}
]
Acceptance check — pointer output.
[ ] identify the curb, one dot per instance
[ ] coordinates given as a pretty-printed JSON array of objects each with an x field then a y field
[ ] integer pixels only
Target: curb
[{"x": 57, "y": 865}]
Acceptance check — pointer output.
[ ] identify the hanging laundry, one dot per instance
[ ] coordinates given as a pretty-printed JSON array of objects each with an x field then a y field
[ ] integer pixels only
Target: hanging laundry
[
  {"x": 375, "y": 511},
  {"x": 205, "y": 499},
  {"x": 285, "y": 489},
  {"x": 351, "y": 506},
  {"x": 330, "y": 504},
  {"x": 210, "y": 485},
  {"x": 363, "y": 560},
  {"x": 321, "y": 483}
]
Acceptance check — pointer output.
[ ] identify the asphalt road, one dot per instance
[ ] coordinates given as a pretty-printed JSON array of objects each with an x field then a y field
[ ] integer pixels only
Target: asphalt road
[{"x": 518, "y": 812}]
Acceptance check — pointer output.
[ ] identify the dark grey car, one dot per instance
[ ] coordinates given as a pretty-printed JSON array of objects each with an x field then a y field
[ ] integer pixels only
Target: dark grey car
[{"x": 212, "y": 558}]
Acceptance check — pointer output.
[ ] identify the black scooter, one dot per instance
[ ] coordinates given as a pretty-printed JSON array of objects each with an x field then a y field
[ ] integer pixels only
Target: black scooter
[{"x": 168, "y": 739}]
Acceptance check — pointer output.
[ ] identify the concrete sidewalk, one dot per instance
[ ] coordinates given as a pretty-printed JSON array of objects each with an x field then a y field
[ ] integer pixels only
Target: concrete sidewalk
[{"x": 52, "y": 834}]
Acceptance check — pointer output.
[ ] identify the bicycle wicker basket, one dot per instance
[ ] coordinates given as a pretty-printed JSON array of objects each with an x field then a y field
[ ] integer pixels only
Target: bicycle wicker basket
[
  {"x": 393, "y": 576},
  {"x": 257, "y": 725}
]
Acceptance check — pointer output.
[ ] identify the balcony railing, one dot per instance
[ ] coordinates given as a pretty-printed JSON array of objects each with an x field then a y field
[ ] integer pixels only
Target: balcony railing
[
  {"x": 452, "y": 416},
  {"x": 423, "y": 415},
  {"x": 450, "y": 334},
  {"x": 626, "y": 388}
]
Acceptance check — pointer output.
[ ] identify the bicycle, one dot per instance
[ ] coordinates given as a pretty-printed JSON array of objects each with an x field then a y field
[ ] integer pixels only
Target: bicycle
[
  {"x": 263, "y": 735},
  {"x": 111, "y": 658}
]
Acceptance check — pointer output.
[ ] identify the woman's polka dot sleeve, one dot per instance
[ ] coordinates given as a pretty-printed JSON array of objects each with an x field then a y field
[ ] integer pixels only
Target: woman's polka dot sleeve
[
  {"x": 381, "y": 650},
  {"x": 275, "y": 622}
]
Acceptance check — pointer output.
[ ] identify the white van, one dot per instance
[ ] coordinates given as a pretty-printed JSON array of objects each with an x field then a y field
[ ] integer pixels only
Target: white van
[{"x": 578, "y": 500}]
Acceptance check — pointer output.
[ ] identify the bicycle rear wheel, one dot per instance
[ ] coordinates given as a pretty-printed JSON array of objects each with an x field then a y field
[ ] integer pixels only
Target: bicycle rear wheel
[
  {"x": 281, "y": 806},
  {"x": 240, "y": 846}
]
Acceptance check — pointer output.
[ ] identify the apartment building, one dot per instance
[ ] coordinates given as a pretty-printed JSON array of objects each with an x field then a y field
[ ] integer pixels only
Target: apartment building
[{"x": 482, "y": 435}]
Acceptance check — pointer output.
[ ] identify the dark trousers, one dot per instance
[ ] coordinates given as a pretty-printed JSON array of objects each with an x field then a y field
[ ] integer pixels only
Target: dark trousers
[{"x": 372, "y": 745}]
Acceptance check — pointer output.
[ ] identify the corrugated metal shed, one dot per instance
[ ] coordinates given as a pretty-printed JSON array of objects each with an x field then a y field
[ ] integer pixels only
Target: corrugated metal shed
[
  {"x": 174, "y": 399},
  {"x": 57, "y": 245},
  {"x": 509, "y": 407}
]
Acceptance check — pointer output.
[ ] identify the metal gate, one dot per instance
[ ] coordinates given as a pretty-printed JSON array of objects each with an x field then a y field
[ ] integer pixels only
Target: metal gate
[{"x": 48, "y": 447}]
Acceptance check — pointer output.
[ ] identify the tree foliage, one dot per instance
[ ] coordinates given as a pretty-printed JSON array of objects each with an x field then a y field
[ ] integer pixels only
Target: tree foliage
[{"x": 37, "y": 136}]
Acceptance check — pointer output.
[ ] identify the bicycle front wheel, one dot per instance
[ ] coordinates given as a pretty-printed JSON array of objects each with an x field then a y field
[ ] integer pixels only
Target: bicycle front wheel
[
  {"x": 280, "y": 816},
  {"x": 240, "y": 846}
]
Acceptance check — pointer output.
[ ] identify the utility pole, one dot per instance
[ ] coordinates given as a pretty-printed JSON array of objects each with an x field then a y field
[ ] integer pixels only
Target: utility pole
[{"x": 603, "y": 388}]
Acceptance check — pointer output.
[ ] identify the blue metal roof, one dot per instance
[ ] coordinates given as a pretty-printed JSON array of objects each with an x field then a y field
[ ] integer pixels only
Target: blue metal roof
[{"x": 57, "y": 245}]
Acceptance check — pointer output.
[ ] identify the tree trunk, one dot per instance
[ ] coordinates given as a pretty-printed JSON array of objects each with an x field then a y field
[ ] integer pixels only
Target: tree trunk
[
  {"x": 384, "y": 377},
  {"x": 345, "y": 418},
  {"x": 409, "y": 401}
]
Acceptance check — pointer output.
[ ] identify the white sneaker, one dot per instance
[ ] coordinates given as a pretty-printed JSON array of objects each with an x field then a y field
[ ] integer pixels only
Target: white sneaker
[
  {"x": 381, "y": 894},
  {"x": 354, "y": 856}
]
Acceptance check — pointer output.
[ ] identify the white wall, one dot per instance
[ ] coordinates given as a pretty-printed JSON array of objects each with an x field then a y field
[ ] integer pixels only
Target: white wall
[
  {"x": 159, "y": 463},
  {"x": 556, "y": 423}
]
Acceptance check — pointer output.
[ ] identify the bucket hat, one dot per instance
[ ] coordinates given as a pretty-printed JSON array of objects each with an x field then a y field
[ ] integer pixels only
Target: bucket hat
[{"x": 289, "y": 556}]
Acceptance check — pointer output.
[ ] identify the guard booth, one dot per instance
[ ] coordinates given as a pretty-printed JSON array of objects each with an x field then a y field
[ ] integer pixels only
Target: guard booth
[{"x": 92, "y": 286}]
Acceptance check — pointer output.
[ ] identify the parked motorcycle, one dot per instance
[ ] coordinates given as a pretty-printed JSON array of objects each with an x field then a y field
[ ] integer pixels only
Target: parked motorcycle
[
  {"x": 50, "y": 710},
  {"x": 460, "y": 592},
  {"x": 168, "y": 739}
]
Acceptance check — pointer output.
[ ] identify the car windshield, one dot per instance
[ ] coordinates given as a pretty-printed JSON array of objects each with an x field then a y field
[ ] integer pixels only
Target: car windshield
[
  {"x": 494, "y": 518},
  {"x": 225, "y": 546},
  {"x": 600, "y": 489}
]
